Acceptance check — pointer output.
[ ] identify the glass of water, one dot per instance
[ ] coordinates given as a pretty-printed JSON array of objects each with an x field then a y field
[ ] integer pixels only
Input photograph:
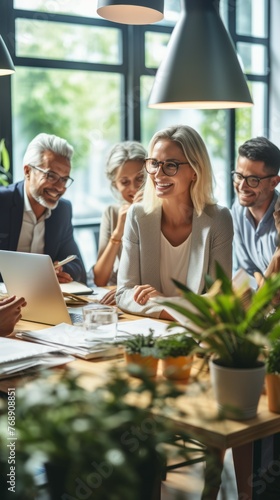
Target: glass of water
[{"x": 100, "y": 322}]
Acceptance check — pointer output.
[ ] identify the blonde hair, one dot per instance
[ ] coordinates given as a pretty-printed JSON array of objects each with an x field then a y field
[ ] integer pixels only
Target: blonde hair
[{"x": 194, "y": 149}]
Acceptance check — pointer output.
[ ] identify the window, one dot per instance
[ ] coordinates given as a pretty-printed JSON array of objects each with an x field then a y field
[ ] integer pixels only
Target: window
[{"x": 89, "y": 80}]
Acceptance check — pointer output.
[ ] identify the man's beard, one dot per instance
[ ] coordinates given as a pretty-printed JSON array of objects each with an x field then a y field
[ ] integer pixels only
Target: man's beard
[{"x": 41, "y": 200}]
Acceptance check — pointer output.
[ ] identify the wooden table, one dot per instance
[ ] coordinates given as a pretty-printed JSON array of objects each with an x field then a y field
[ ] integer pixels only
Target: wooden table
[{"x": 201, "y": 418}]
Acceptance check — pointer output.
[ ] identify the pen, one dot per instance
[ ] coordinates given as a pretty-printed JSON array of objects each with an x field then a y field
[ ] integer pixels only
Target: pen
[{"x": 65, "y": 261}]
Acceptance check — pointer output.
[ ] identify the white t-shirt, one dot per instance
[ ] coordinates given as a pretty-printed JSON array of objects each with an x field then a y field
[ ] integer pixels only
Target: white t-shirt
[{"x": 174, "y": 262}]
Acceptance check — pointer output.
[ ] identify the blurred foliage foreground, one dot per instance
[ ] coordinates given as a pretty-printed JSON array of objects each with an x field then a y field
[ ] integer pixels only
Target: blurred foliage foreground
[{"x": 111, "y": 443}]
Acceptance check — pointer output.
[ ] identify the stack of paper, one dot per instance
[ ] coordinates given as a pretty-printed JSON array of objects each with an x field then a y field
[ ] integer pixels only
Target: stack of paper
[
  {"x": 143, "y": 326},
  {"x": 72, "y": 340},
  {"x": 79, "y": 342},
  {"x": 17, "y": 356}
]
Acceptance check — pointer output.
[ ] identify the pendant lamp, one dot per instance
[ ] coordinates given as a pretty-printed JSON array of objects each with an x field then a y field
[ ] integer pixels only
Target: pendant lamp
[
  {"x": 131, "y": 11},
  {"x": 6, "y": 63},
  {"x": 201, "y": 69}
]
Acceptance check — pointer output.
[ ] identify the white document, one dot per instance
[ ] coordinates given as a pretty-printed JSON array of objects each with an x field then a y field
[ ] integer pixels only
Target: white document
[
  {"x": 72, "y": 340},
  {"x": 17, "y": 356},
  {"x": 143, "y": 326},
  {"x": 3, "y": 290},
  {"x": 99, "y": 292},
  {"x": 13, "y": 350},
  {"x": 243, "y": 279}
]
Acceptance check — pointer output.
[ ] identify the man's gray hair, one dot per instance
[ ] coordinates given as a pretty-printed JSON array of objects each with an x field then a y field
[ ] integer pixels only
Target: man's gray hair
[{"x": 46, "y": 142}]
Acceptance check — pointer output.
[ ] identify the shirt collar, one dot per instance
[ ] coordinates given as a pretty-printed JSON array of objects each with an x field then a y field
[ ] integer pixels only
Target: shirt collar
[{"x": 27, "y": 207}]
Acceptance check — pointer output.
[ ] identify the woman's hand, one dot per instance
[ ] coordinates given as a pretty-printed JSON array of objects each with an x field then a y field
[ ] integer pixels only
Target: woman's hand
[
  {"x": 143, "y": 293},
  {"x": 118, "y": 231},
  {"x": 109, "y": 299},
  {"x": 138, "y": 196}
]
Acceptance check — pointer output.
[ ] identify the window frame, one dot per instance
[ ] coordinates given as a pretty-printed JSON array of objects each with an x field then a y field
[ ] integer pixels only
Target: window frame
[{"x": 131, "y": 68}]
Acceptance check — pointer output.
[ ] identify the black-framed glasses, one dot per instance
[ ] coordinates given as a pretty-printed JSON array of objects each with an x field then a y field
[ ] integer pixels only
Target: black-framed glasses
[
  {"x": 168, "y": 167},
  {"x": 251, "y": 180},
  {"x": 53, "y": 177}
]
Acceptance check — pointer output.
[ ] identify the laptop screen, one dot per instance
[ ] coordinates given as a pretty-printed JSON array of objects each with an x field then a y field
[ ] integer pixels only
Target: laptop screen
[{"x": 33, "y": 277}]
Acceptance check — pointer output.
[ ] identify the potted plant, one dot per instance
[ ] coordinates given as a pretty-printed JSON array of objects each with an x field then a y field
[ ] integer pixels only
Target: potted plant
[
  {"x": 272, "y": 378},
  {"x": 176, "y": 352},
  {"x": 232, "y": 326},
  {"x": 5, "y": 177},
  {"x": 104, "y": 444},
  {"x": 140, "y": 350}
]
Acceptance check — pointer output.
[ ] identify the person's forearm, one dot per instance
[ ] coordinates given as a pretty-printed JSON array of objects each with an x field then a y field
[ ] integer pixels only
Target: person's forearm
[{"x": 103, "y": 268}]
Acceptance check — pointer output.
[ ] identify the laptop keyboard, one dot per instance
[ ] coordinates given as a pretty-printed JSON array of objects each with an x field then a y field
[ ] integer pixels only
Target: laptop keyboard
[{"x": 76, "y": 318}]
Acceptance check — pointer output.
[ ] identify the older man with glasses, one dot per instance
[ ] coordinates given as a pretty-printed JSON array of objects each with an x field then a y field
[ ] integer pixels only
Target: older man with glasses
[
  {"x": 34, "y": 216},
  {"x": 255, "y": 181}
]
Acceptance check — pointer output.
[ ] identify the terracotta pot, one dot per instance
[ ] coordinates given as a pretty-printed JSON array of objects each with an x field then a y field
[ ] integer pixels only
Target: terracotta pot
[
  {"x": 178, "y": 368},
  {"x": 272, "y": 382},
  {"x": 148, "y": 363}
]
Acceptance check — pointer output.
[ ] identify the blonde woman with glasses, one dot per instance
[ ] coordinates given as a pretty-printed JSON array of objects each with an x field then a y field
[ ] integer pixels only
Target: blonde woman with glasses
[{"x": 178, "y": 231}]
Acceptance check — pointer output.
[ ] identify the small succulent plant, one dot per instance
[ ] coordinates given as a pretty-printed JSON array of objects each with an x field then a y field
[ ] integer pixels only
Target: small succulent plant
[
  {"x": 140, "y": 344},
  {"x": 175, "y": 345}
]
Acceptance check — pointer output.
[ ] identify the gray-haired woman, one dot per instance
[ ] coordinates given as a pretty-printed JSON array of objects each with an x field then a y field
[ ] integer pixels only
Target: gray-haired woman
[{"x": 125, "y": 170}]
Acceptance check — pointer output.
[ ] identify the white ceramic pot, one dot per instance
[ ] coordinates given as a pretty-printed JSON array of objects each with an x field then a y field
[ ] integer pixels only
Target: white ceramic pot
[{"x": 237, "y": 390}]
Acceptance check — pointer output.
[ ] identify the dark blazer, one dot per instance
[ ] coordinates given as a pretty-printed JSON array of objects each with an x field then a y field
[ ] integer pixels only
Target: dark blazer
[{"x": 59, "y": 240}]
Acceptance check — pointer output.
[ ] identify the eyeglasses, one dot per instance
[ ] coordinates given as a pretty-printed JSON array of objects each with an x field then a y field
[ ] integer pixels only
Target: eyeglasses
[
  {"x": 251, "y": 180},
  {"x": 53, "y": 177},
  {"x": 169, "y": 168}
]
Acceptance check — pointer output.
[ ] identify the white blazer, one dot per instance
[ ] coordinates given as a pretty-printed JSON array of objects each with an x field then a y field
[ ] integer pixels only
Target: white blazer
[{"x": 212, "y": 234}]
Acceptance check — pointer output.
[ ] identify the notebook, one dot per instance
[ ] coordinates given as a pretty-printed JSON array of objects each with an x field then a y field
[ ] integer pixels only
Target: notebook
[{"x": 33, "y": 277}]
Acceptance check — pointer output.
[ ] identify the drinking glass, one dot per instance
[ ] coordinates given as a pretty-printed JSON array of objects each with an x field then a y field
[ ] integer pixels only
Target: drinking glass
[{"x": 100, "y": 322}]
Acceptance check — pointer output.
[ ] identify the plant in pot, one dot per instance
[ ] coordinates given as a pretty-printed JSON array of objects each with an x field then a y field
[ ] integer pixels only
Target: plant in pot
[
  {"x": 232, "y": 326},
  {"x": 103, "y": 445},
  {"x": 272, "y": 378},
  {"x": 140, "y": 350},
  {"x": 176, "y": 353},
  {"x": 5, "y": 177}
]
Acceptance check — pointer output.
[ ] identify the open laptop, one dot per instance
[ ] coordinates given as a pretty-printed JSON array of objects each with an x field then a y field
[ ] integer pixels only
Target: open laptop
[{"x": 33, "y": 277}]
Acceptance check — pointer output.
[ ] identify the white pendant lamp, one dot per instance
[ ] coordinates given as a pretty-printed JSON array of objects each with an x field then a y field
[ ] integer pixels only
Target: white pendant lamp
[
  {"x": 201, "y": 68},
  {"x": 131, "y": 11},
  {"x": 6, "y": 63}
]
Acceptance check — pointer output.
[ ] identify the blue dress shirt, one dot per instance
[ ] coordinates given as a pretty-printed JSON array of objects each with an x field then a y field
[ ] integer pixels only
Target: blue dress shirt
[{"x": 253, "y": 246}]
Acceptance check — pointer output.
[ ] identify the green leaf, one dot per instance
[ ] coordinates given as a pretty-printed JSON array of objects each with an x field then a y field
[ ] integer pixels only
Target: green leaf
[
  {"x": 234, "y": 325},
  {"x": 4, "y": 156},
  {"x": 175, "y": 345},
  {"x": 273, "y": 359}
]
